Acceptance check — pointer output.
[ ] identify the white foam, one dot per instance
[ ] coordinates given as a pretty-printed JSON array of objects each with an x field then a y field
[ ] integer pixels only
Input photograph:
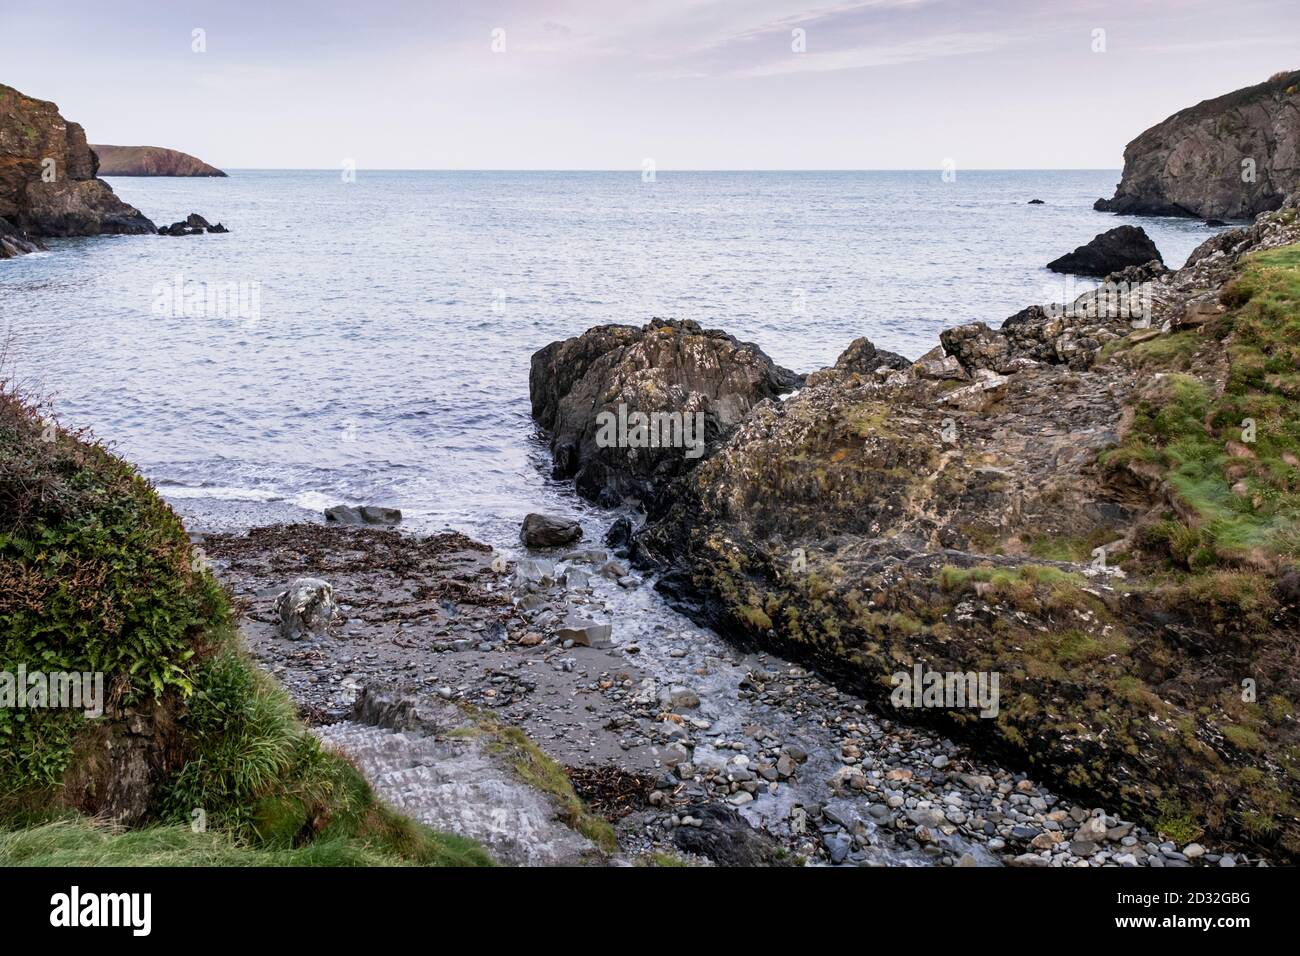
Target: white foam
[
  {"x": 315, "y": 501},
  {"x": 224, "y": 494}
]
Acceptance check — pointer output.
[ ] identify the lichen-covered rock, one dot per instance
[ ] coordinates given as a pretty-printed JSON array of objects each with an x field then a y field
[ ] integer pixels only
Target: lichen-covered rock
[
  {"x": 863, "y": 358},
  {"x": 47, "y": 175},
  {"x": 628, "y": 409},
  {"x": 992, "y": 526},
  {"x": 1231, "y": 157}
]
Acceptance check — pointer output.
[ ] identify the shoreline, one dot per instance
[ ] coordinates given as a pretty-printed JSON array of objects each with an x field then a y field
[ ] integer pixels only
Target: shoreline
[{"x": 776, "y": 760}]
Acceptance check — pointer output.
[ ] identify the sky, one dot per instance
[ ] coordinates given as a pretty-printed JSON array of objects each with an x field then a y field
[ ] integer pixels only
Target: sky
[{"x": 609, "y": 84}]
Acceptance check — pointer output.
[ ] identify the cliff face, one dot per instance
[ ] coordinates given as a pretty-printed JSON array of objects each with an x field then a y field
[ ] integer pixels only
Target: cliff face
[
  {"x": 47, "y": 175},
  {"x": 150, "y": 161},
  {"x": 1192, "y": 163}
]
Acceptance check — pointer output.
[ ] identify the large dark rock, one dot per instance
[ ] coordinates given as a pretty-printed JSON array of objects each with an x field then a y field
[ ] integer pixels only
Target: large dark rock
[
  {"x": 1231, "y": 157},
  {"x": 192, "y": 225},
  {"x": 725, "y": 838},
  {"x": 365, "y": 514},
  {"x": 620, "y": 533},
  {"x": 1109, "y": 252},
  {"x": 47, "y": 175},
  {"x": 671, "y": 384},
  {"x": 545, "y": 531}
]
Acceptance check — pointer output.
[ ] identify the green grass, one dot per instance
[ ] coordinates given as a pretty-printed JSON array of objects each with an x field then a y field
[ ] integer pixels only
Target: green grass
[
  {"x": 1166, "y": 352},
  {"x": 1071, "y": 549},
  {"x": 1177, "y": 823},
  {"x": 1239, "y": 493},
  {"x": 78, "y": 842},
  {"x": 658, "y": 858},
  {"x": 952, "y": 578},
  {"x": 533, "y": 767}
]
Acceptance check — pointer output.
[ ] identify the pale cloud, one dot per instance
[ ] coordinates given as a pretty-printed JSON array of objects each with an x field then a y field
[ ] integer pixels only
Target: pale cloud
[{"x": 911, "y": 51}]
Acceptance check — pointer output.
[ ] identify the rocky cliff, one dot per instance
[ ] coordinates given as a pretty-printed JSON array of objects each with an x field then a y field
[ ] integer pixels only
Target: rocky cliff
[
  {"x": 150, "y": 161},
  {"x": 47, "y": 176},
  {"x": 1231, "y": 157}
]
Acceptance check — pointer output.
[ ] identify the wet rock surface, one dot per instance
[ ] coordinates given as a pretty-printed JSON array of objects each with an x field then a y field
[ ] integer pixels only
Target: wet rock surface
[
  {"x": 427, "y": 760},
  {"x": 14, "y": 242},
  {"x": 362, "y": 515},
  {"x": 546, "y": 531}
]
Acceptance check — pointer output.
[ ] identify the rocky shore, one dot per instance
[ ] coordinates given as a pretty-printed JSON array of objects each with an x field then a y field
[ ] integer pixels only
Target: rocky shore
[
  {"x": 676, "y": 374},
  {"x": 691, "y": 748},
  {"x": 1018, "y": 503},
  {"x": 48, "y": 184}
]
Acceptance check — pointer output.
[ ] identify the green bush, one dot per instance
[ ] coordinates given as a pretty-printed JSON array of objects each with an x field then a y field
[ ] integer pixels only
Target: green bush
[{"x": 97, "y": 575}]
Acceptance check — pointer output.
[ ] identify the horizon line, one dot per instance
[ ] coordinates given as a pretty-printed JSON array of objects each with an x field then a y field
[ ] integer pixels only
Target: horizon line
[{"x": 635, "y": 170}]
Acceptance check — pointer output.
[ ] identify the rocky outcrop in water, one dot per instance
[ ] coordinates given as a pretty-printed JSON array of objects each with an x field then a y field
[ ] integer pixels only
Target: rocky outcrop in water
[
  {"x": 150, "y": 161},
  {"x": 628, "y": 409},
  {"x": 1009, "y": 507},
  {"x": 1230, "y": 157},
  {"x": 192, "y": 225},
  {"x": 14, "y": 242},
  {"x": 1111, "y": 251},
  {"x": 47, "y": 175},
  {"x": 363, "y": 514}
]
